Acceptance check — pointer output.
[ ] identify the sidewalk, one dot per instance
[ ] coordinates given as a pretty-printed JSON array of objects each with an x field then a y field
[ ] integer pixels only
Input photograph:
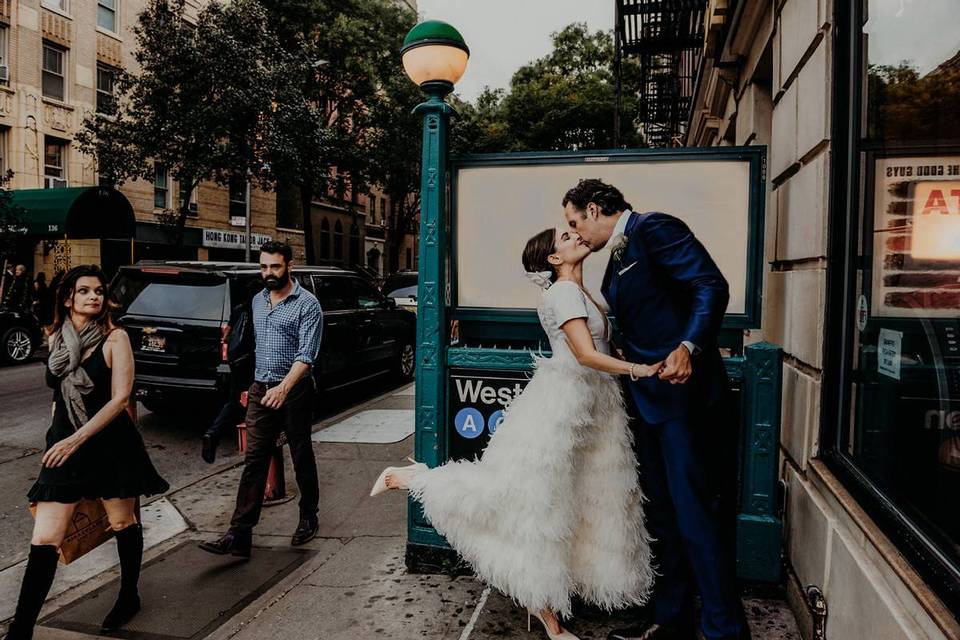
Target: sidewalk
[{"x": 348, "y": 583}]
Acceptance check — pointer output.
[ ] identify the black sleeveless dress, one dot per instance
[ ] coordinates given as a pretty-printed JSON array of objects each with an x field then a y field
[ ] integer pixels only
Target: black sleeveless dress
[{"x": 112, "y": 464}]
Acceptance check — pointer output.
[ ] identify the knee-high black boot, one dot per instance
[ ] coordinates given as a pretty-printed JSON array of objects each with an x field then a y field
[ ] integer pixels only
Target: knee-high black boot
[
  {"x": 41, "y": 568},
  {"x": 130, "y": 550}
]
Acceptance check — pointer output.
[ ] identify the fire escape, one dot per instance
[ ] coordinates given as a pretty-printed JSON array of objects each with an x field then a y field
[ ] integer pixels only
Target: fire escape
[{"x": 667, "y": 35}]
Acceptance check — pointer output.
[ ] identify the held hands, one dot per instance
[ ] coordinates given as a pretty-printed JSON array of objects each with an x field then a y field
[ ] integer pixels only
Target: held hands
[
  {"x": 275, "y": 397},
  {"x": 638, "y": 371},
  {"x": 677, "y": 368},
  {"x": 61, "y": 451}
]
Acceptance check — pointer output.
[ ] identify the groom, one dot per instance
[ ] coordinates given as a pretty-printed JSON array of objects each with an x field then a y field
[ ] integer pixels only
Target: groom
[{"x": 669, "y": 299}]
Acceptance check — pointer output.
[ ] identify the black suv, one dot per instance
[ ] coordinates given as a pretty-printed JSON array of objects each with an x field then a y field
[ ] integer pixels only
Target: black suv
[
  {"x": 20, "y": 335},
  {"x": 175, "y": 312}
]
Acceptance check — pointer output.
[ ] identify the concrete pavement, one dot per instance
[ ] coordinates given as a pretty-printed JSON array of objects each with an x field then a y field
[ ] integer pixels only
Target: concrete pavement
[{"x": 350, "y": 582}]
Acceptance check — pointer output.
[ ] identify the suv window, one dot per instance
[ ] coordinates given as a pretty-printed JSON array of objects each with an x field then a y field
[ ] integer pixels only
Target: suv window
[
  {"x": 399, "y": 281},
  {"x": 334, "y": 293},
  {"x": 367, "y": 295},
  {"x": 168, "y": 295},
  {"x": 305, "y": 281}
]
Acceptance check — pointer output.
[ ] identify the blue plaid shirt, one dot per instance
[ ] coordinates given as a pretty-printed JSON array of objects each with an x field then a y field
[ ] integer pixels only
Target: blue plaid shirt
[{"x": 287, "y": 333}]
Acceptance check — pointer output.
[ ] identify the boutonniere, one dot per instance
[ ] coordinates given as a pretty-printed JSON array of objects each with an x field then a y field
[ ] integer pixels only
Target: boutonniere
[{"x": 619, "y": 247}]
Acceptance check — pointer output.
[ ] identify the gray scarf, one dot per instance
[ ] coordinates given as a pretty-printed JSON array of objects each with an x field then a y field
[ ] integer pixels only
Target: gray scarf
[{"x": 67, "y": 346}]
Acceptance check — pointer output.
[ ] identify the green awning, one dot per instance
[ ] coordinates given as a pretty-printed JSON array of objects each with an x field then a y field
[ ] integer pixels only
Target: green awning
[{"x": 77, "y": 212}]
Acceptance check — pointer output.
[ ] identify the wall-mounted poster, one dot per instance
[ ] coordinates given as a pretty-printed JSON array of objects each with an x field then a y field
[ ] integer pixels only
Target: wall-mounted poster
[
  {"x": 499, "y": 207},
  {"x": 916, "y": 238}
]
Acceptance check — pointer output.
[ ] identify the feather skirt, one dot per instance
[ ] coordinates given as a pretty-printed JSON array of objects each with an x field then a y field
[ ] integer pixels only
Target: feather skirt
[{"x": 553, "y": 509}]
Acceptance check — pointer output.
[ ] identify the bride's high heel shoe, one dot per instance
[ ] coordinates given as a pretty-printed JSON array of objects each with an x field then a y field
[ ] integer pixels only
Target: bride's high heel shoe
[
  {"x": 563, "y": 635},
  {"x": 380, "y": 486}
]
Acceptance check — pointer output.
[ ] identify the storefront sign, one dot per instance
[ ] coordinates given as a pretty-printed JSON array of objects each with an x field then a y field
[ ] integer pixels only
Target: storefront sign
[
  {"x": 916, "y": 239},
  {"x": 477, "y": 401},
  {"x": 888, "y": 353},
  {"x": 220, "y": 239}
]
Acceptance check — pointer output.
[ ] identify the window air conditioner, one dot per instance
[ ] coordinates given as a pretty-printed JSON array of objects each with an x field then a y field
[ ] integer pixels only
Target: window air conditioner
[{"x": 56, "y": 183}]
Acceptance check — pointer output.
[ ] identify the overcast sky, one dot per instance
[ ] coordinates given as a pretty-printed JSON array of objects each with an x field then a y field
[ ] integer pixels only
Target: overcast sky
[{"x": 503, "y": 35}]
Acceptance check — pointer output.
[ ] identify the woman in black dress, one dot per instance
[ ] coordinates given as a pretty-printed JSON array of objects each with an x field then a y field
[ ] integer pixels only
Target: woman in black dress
[{"x": 93, "y": 448}]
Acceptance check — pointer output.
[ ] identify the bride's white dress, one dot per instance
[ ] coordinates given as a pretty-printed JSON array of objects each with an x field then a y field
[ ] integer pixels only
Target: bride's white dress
[{"x": 553, "y": 508}]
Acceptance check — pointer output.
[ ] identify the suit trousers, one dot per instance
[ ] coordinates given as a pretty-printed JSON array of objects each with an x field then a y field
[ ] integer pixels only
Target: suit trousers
[
  {"x": 263, "y": 426},
  {"x": 686, "y": 518}
]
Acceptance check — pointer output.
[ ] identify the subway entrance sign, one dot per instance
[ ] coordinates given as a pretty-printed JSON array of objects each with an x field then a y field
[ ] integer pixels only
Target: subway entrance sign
[{"x": 478, "y": 399}]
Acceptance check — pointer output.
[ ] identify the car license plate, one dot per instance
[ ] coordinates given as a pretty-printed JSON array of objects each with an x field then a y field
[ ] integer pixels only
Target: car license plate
[{"x": 153, "y": 342}]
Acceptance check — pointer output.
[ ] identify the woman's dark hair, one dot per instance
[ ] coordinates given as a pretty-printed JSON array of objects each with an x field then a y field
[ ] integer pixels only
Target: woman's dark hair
[
  {"x": 538, "y": 249},
  {"x": 275, "y": 246},
  {"x": 604, "y": 195},
  {"x": 66, "y": 290}
]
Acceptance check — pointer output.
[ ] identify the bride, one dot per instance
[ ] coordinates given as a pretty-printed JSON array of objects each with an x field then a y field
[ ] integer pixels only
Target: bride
[{"x": 553, "y": 509}]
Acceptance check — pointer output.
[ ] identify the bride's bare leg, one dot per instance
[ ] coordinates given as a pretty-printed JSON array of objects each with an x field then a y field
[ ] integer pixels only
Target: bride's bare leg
[{"x": 551, "y": 621}]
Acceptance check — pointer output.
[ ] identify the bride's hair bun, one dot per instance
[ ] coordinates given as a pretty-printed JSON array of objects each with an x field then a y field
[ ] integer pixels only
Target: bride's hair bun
[{"x": 535, "y": 254}]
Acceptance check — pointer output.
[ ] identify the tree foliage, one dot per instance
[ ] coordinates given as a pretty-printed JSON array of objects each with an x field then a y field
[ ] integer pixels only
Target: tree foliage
[
  {"x": 12, "y": 217},
  {"x": 905, "y": 106},
  {"x": 195, "y": 102}
]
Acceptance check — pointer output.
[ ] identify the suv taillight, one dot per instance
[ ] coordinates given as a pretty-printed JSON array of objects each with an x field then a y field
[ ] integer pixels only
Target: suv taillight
[{"x": 223, "y": 352}]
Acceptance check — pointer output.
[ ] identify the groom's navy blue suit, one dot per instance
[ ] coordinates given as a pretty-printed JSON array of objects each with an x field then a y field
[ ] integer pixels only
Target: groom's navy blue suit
[{"x": 665, "y": 289}]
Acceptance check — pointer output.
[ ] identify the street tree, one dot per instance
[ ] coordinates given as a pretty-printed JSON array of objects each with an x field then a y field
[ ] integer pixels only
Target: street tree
[
  {"x": 195, "y": 103},
  {"x": 324, "y": 132},
  {"x": 12, "y": 219}
]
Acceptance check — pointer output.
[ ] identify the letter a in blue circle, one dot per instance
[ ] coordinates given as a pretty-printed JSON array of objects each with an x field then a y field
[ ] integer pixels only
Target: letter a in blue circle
[
  {"x": 495, "y": 419},
  {"x": 469, "y": 423}
]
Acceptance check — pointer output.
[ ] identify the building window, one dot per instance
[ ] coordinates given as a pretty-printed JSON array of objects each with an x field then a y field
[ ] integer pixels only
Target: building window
[
  {"x": 54, "y": 72},
  {"x": 354, "y": 244},
  {"x": 325, "y": 239},
  {"x": 892, "y": 427},
  {"x": 4, "y": 135},
  {"x": 373, "y": 210},
  {"x": 107, "y": 15},
  {"x": 373, "y": 260},
  {"x": 383, "y": 209},
  {"x": 338, "y": 241},
  {"x": 59, "y": 5},
  {"x": 409, "y": 258},
  {"x": 161, "y": 187},
  {"x": 238, "y": 200},
  {"x": 182, "y": 195},
  {"x": 4, "y": 57},
  {"x": 106, "y": 77},
  {"x": 54, "y": 156}
]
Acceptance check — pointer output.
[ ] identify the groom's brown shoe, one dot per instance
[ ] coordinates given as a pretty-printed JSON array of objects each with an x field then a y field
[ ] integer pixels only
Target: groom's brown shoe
[{"x": 652, "y": 632}]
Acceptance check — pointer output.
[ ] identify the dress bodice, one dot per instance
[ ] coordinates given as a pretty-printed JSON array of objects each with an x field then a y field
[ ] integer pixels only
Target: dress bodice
[
  {"x": 100, "y": 374},
  {"x": 564, "y": 301}
]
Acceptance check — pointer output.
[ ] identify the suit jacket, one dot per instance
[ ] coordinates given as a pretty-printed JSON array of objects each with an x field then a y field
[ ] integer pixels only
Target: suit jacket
[{"x": 665, "y": 289}]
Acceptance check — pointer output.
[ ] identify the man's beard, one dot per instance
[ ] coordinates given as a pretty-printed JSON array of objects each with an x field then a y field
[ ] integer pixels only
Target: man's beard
[{"x": 273, "y": 283}]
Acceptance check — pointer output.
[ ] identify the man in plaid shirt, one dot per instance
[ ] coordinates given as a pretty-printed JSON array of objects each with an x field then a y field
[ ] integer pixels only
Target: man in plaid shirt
[{"x": 288, "y": 325}]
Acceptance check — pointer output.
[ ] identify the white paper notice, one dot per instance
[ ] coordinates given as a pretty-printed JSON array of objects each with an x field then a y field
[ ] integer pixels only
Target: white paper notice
[{"x": 888, "y": 353}]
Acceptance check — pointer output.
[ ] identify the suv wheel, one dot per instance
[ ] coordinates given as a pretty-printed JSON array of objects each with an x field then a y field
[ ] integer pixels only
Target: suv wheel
[
  {"x": 406, "y": 363},
  {"x": 17, "y": 345}
]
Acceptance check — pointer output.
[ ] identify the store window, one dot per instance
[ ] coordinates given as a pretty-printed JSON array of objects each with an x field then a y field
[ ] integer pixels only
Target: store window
[
  {"x": 895, "y": 426},
  {"x": 54, "y": 72}
]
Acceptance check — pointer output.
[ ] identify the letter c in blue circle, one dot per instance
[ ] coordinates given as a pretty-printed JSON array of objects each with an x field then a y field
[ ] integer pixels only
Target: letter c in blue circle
[
  {"x": 469, "y": 423},
  {"x": 495, "y": 419}
]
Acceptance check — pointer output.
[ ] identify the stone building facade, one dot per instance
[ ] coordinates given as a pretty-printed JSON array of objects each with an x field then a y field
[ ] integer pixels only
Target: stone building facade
[
  {"x": 856, "y": 103},
  {"x": 58, "y": 56}
]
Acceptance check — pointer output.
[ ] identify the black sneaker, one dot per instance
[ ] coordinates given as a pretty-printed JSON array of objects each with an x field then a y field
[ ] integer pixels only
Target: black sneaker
[
  {"x": 306, "y": 531},
  {"x": 233, "y": 543}
]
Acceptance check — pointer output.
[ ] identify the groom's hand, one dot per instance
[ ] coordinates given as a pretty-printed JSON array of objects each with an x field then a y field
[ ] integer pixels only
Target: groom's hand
[{"x": 677, "y": 367}]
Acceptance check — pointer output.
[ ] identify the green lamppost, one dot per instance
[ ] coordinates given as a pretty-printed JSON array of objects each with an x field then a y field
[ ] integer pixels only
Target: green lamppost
[{"x": 435, "y": 57}]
